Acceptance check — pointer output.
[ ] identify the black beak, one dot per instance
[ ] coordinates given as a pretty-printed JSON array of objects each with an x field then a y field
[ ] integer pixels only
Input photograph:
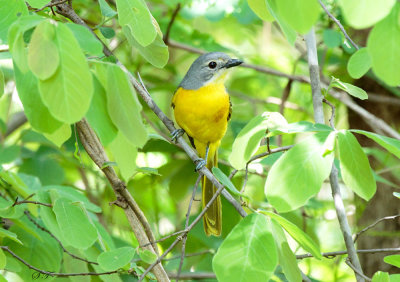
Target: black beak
[{"x": 233, "y": 63}]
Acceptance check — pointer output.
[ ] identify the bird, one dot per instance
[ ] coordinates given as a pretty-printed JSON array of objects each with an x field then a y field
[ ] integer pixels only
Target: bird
[{"x": 202, "y": 108}]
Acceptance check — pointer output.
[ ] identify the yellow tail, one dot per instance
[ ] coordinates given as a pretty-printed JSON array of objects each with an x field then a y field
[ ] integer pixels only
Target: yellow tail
[{"x": 213, "y": 217}]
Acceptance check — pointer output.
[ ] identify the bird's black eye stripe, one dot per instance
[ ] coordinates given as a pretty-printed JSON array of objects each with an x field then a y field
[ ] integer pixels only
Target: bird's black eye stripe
[{"x": 212, "y": 65}]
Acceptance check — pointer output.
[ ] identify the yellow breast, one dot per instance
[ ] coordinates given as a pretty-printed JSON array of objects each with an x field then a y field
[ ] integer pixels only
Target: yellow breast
[{"x": 203, "y": 113}]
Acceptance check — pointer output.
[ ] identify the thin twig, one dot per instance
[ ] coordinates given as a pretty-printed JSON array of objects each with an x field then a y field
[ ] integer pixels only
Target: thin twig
[
  {"x": 27, "y": 213},
  {"x": 171, "y": 22},
  {"x": 374, "y": 224},
  {"x": 340, "y": 253},
  {"x": 337, "y": 22},
  {"x": 49, "y": 273},
  {"x": 187, "y": 225},
  {"x": 26, "y": 201},
  {"x": 356, "y": 270},
  {"x": 164, "y": 238},
  {"x": 334, "y": 179},
  {"x": 272, "y": 151},
  {"x": 51, "y": 4}
]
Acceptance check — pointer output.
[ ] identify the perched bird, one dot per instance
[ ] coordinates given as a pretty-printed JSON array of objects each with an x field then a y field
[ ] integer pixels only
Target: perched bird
[{"x": 202, "y": 109}]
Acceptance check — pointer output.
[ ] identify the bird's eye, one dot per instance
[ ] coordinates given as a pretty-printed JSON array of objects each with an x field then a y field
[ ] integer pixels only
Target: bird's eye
[{"x": 212, "y": 65}]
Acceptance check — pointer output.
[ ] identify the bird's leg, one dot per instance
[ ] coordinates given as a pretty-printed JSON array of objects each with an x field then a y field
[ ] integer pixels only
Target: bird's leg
[
  {"x": 200, "y": 163},
  {"x": 177, "y": 133}
]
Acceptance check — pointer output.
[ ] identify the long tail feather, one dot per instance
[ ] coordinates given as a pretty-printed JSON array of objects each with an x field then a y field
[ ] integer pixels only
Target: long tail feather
[{"x": 213, "y": 217}]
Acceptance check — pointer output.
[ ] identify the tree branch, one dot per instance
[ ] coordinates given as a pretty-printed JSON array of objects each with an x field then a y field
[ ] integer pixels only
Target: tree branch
[
  {"x": 171, "y": 22},
  {"x": 340, "y": 253},
  {"x": 374, "y": 224},
  {"x": 49, "y": 273},
  {"x": 28, "y": 215},
  {"x": 337, "y": 22},
  {"x": 334, "y": 179}
]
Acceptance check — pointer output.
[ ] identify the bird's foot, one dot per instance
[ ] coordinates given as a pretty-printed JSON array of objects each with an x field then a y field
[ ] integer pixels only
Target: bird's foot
[
  {"x": 200, "y": 163},
  {"x": 177, "y": 133}
]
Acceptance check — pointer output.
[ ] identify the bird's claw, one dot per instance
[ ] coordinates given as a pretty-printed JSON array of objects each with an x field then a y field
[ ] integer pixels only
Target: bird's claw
[
  {"x": 200, "y": 163},
  {"x": 177, "y": 133}
]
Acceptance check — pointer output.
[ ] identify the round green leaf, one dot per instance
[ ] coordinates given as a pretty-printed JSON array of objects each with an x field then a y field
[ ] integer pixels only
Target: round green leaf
[
  {"x": 364, "y": 13},
  {"x": 135, "y": 15},
  {"x": 8, "y": 15},
  {"x": 301, "y": 15},
  {"x": 147, "y": 256},
  {"x": 351, "y": 89},
  {"x": 43, "y": 57},
  {"x": 115, "y": 259},
  {"x": 73, "y": 220},
  {"x": 332, "y": 38},
  {"x": 248, "y": 253},
  {"x": 67, "y": 94},
  {"x": 359, "y": 63},
  {"x": 354, "y": 166},
  {"x": 381, "y": 277},
  {"x": 383, "y": 44},
  {"x": 124, "y": 107},
  {"x": 259, "y": 7},
  {"x": 304, "y": 165},
  {"x": 289, "y": 32},
  {"x": 393, "y": 260}
]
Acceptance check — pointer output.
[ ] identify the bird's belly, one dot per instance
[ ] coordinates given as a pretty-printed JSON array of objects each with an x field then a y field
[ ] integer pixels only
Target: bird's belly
[{"x": 202, "y": 113}]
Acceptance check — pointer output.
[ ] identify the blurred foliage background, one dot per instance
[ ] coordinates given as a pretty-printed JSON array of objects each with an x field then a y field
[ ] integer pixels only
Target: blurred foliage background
[{"x": 164, "y": 178}]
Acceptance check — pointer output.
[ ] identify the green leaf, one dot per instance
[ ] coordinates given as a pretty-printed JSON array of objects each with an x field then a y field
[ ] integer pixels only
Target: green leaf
[
  {"x": 289, "y": 33},
  {"x": 390, "y": 144},
  {"x": 297, "y": 234},
  {"x": 155, "y": 53},
  {"x": 43, "y": 57},
  {"x": 383, "y": 42},
  {"x": 59, "y": 136},
  {"x": 361, "y": 14},
  {"x": 394, "y": 278},
  {"x": 248, "y": 253},
  {"x": 43, "y": 251},
  {"x": 88, "y": 42},
  {"x": 36, "y": 112},
  {"x": 98, "y": 116},
  {"x": 301, "y": 15},
  {"x": 68, "y": 93},
  {"x": 396, "y": 194},
  {"x": 287, "y": 259},
  {"x": 46, "y": 169},
  {"x": 16, "y": 183},
  {"x": 305, "y": 165},
  {"x": 147, "y": 256},
  {"x": 299, "y": 127},
  {"x": 15, "y": 9},
  {"x": 73, "y": 265},
  {"x": 359, "y": 63},
  {"x": 3, "y": 260},
  {"x": 380, "y": 277},
  {"x": 115, "y": 259},
  {"x": 8, "y": 211},
  {"x": 226, "y": 181},
  {"x": 354, "y": 166},
  {"x": 9, "y": 154},
  {"x": 259, "y": 7},
  {"x": 72, "y": 218},
  {"x": 393, "y": 260},
  {"x": 107, "y": 32},
  {"x": 106, "y": 10},
  {"x": 125, "y": 155},
  {"x": 332, "y": 38},
  {"x": 124, "y": 107},
  {"x": 134, "y": 15},
  {"x": 9, "y": 234},
  {"x": 74, "y": 195},
  {"x": 248, "y": 139},
  {"x": 351, "y": 89},
  {"x": 1, "y": 83}
]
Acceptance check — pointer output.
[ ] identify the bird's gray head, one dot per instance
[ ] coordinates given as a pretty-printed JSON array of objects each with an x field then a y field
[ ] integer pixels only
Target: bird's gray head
[{"x": 208, "y": 68}]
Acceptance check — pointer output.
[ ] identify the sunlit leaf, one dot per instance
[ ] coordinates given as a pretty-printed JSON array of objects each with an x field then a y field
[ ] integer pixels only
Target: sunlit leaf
[
  {"x": 9, "y": 234},
  {"x": 364, "y": 13},
  {"x": 289, "y": 32},
  {"x": 147, "y": 256},
  {"x": 297, "y": 234},
  {"x": 259, "y": 7},
  {"x": 305, "y": 165},
  {"x": 15, "y": 9},
  {"x": 383, "y": 42},
  {"x": 381, "y": 277},
  {"x": 226, "y": 181},
  {"x": 354, "y": 166},
  {"x": 106, "y": 10},
  {"x": 59, "y": 136},
  {"x": 390, "y": 144},
  {"x": 125, "y": 155},
  {"x": 115, "y": 259},
  {"x": 359, "y": 63},
  {"x": 351, "y": 89},
  {"x": 393, "y": 260},
  {"x": 248, "y": 253}
]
